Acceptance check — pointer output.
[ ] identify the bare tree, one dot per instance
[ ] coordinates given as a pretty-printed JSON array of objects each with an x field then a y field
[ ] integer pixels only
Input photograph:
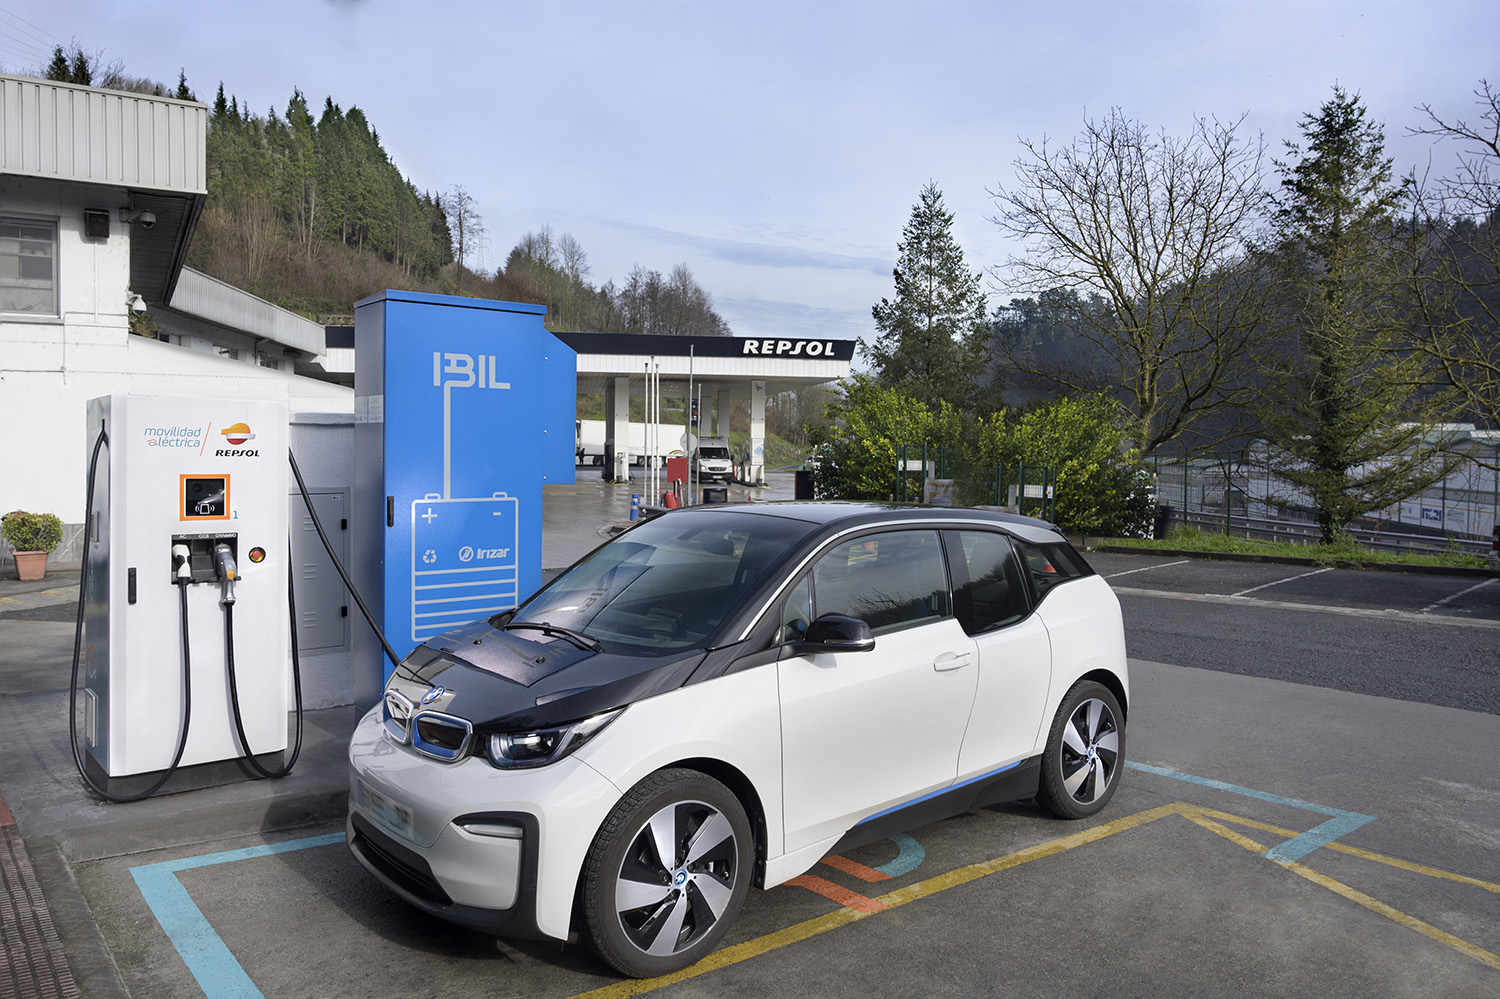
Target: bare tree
[
  {"x": 465, "y": 223},
  {"x": 1156, "y": 227},
  {"x": 1456, "y": 276}
]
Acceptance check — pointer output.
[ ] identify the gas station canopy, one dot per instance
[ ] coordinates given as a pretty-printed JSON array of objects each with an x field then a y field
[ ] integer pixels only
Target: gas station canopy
[{"x": 718, "y": 363}]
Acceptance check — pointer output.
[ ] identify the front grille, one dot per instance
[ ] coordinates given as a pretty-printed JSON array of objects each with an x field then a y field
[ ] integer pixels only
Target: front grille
[
  {"x": 402, "y": 866},
  {"x": 440, "y": 736}
]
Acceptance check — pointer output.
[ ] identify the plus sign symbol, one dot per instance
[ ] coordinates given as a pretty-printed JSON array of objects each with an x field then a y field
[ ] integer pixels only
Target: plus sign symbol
[{"x": 429, "y": 515}]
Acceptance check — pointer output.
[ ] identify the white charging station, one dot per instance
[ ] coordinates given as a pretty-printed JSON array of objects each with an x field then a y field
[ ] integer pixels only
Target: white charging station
[{"x": 189, "y": 498}]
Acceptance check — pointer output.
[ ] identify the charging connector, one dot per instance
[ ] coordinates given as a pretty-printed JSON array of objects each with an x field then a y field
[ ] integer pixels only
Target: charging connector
[
  {"x": 182, "y": 569},
  {"x": 224, "y": 563}
]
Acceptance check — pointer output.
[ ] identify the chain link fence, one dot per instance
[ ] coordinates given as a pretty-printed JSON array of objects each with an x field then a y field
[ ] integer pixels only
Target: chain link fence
[{"x": 1234, "y": 491}]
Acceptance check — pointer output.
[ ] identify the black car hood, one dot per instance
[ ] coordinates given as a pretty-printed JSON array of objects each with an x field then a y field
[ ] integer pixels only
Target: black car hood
[{"x": 513, "y": 680}]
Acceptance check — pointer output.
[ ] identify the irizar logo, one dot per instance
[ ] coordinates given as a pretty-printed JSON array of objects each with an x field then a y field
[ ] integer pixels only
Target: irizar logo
[
  {"x": 237, "y": 434},
  {"x": 468, "y": 554}
]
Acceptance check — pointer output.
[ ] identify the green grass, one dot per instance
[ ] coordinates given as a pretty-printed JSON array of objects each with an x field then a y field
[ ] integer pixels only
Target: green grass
[{"x": 1346, "y": 551}]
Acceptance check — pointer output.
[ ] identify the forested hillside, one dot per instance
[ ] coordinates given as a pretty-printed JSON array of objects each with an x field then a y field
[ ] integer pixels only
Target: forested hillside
[{"x": 309, "y": 211}]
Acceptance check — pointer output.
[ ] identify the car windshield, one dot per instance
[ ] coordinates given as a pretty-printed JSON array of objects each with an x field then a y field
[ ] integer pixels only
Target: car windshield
[
  {"x": 713, "y": 452},
  {"x": 667, "y": 584}
]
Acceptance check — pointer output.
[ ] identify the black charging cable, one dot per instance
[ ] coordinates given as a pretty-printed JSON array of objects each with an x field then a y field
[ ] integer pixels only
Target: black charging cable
[{"x": 348, "y": 583}]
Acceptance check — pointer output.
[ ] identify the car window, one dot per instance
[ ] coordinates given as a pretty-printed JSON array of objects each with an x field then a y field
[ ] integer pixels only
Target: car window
[
  {"x": 666, "y": 584},
  {"x": 887, "y": 580},
  {"x": 1052, "y": 564},
  {"x": 796, "y": 613},
  {"x": 992, "y": 592}
]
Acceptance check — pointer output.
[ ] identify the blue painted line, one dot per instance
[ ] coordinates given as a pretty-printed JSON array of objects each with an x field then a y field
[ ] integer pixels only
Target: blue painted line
[
  {"x": 1297, "y": 847},
  {"x": 212, "y": 964},
  {"x": 912, "y": 854}
]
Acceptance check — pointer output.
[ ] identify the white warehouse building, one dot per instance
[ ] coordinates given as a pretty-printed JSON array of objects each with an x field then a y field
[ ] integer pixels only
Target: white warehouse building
[{"x": 99, "y": 195}]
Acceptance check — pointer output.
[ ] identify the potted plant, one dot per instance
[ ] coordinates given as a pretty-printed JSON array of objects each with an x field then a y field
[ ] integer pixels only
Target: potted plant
[{"x": 32, "y": 537}]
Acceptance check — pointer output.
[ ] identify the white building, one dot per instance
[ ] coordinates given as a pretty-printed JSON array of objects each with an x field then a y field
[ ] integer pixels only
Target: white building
[{"x": 99, "y": 193}]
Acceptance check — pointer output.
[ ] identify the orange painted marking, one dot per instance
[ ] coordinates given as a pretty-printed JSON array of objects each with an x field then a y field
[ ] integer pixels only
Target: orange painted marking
[
  {"x": 855, "y": 869},
  {"x": 837, "y": 893}
]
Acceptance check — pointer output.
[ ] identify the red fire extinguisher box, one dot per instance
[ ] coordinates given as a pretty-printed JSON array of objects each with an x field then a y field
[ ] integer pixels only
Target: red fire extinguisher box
[{"x": 677, "y": 469}]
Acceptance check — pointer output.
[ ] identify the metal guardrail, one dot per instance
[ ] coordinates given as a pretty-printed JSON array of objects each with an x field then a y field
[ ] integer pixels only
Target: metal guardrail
[{"x": 1300, "y": 532}]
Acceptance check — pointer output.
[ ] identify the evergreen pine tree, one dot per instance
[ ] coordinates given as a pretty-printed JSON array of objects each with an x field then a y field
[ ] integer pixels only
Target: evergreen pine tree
[
  {"x": 1346, "y": 414},
  {"x": 933, "y": 343}
]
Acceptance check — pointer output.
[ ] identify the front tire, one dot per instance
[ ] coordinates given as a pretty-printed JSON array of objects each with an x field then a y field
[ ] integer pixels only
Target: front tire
[
  {"x": 1085, "y": 752},
  {"x": 667, "y": 873}
]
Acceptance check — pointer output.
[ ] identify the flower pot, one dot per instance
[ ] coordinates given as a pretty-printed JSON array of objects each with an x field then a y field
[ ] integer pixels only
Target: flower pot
[{"x": 30, "y": 565}]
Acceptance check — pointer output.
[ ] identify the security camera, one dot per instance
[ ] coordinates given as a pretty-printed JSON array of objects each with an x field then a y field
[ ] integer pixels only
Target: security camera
[
  {"x": 147, "y": 219},
  {"x": 137, "y": 304}
]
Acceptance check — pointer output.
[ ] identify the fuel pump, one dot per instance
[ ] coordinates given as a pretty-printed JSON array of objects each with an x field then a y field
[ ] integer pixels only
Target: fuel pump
[{"x": 187, "y": 529}]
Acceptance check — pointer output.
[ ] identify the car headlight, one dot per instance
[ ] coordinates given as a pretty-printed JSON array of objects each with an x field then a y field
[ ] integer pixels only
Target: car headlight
[{"x": 541, "y": 746}]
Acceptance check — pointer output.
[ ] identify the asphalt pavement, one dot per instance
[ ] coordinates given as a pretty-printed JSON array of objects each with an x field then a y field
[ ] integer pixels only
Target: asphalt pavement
[{"x": 1357, "y": 707}]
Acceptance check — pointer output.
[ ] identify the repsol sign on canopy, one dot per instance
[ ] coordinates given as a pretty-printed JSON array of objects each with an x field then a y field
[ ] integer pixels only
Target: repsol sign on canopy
[
  {"x": 789, "y": 348},
  {"x": 651, "y": 344}
]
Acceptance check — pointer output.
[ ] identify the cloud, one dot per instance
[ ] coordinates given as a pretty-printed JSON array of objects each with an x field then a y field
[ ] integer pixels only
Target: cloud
[
  {"x": 766, "y": 318},
  {"x": 739, "y": 251}
]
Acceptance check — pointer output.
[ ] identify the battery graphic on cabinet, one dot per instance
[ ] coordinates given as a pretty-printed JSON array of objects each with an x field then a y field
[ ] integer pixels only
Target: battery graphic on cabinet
[{"x": 463, "y": 561}]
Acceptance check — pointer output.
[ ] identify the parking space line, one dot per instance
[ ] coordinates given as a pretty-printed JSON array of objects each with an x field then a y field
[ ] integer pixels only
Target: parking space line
[
  {"x": 909, "y": 859},
  {"x": 728, "y": 956},
  {"x": 854, "y": 868},
  {"x": 1352, "y": 894},
  {"x": 1148, "y": 568},
  {"x": 1354, "y": 851},
  {"x": 1278, "y": 582},
  {"x": 1300, "y": 845},
  {"x": 836, "y": 893},
  {"x": 1454, "y": 596},
  {"x": 1384, "y": 615},
  {"x": 211, "y": 963}
]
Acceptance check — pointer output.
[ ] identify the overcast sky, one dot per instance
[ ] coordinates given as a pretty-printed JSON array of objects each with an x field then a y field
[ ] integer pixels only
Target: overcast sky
[{"x": 776, "y": 148}]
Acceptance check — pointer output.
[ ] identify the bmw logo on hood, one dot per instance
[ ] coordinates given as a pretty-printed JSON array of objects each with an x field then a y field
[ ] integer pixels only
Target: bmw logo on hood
[{"x": 433, "y": 694}]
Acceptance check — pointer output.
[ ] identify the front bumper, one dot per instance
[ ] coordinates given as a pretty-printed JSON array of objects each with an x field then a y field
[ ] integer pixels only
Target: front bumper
[{"x": 412, "y": 823}]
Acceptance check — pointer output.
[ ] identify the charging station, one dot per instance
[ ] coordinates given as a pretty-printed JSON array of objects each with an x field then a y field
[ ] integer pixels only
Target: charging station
[
  {"x": 187, "y": 541},
  {"x": 463, "y": 409}
]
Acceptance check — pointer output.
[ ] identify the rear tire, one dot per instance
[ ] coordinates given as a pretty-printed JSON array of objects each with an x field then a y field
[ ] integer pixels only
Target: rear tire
[
  {"x": 651, "y": 914},
  {"x": 1085, "y": 752}
]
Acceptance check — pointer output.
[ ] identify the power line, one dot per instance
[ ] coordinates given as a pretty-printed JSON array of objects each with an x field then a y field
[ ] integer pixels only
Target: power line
[
  {"x": 16, "y": 17},
  {"x": 20, "y": 49}
]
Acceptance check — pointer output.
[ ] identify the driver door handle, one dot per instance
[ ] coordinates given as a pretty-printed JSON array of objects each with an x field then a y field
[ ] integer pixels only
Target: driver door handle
[{"x": 951, "y": 660}]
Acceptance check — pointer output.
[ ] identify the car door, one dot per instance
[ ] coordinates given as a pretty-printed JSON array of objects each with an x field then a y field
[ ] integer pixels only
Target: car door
[
  {"x": 993, "y": 604},
  {"x": 865, "y": 731}
]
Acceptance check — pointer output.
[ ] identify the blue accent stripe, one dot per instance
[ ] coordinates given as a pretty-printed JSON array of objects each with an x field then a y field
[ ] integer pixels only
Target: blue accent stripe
[
  {"x": 218, "y": 974},
  {"x": 1298, "y": 846},
  {"x": 933, "y": 794}
]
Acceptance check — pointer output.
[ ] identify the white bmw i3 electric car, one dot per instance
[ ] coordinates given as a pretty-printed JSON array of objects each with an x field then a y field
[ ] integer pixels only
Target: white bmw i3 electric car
[{"x": 720, "y": 697}]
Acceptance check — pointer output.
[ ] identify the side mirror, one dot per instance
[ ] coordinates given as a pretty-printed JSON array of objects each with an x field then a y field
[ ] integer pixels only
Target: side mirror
[{"x": 837, "y": 633}]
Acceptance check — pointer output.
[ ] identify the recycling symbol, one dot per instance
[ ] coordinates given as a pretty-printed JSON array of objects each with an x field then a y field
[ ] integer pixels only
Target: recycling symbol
[{"x": 429, "y": 556}]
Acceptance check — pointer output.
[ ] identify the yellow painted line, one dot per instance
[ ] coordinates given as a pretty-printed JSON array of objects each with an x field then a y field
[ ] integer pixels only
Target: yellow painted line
[
  {"x": 843, "y": 917},
  {"x": 9, "y": 600},
  {"x": 1226, "y": 832},
  {"x": 67, "y": 591},
  {"x": 1354, "y": 851},
  {"x": 1205, "y": 818},
  {"x": 1465, "y": 948}
]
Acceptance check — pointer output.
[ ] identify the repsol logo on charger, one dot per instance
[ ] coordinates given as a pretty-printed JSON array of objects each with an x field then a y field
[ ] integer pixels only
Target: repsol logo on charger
[{"x": 237, "y": 434}]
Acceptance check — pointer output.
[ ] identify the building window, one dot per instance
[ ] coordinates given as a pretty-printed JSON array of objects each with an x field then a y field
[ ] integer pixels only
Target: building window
[{"x": 28, "y": 267}]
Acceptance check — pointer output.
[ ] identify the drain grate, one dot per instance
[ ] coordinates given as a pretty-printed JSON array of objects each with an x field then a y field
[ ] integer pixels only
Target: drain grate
[{"x": 32, "y": 965}]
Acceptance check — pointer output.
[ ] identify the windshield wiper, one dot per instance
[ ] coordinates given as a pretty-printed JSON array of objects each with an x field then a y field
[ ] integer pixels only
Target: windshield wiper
[{"x": 578, "y": 638}]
